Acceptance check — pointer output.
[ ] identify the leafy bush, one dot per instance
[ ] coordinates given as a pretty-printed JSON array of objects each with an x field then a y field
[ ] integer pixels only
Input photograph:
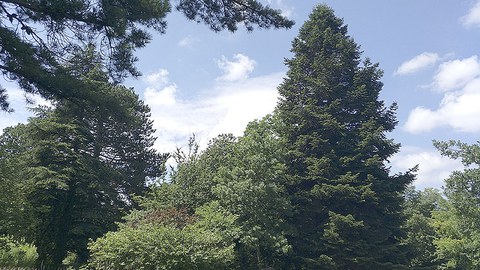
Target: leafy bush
[
  {"x": 206, "y": 244},
  {"x": 16, "y": 253}
]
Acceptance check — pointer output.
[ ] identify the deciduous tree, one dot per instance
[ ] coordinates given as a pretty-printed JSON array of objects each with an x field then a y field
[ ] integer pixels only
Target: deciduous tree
[
  {"x": 420, "y": 208},
  {"x": 458, "y": 222},
  {"x": 245, "y": 177}
]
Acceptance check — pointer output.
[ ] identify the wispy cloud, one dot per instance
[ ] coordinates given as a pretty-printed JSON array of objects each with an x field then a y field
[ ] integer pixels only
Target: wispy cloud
[
  {"x": 433, "y": 167},
  {"x": 459, "y": 80},
  {"x": 235, "y": 70},
  {"x": 417, "y": 63},
  {"x": 157, "y": 79},
  {"x": 472, "y": 18},
  {"x": 187, "y": 42}
]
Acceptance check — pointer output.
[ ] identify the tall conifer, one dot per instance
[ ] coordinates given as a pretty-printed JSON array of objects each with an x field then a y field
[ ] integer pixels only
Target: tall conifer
[{"x": 347, "y": 205}]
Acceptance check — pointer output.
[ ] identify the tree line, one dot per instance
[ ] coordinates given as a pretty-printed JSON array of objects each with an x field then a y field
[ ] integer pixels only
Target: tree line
[{"x": 306, "y": 187}]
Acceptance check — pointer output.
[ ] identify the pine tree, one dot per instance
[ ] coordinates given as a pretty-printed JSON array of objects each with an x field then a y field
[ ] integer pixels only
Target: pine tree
[
  {"x": 36, "y": 37},
  {"x": 347, "y": 205}
]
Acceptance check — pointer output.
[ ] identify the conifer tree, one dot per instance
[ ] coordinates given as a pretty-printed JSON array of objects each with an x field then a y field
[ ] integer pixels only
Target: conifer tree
[
  {"x": 81, "y": 166},
  {"x": 36, "y": 37},
  {"x": 346, "y": 204}
]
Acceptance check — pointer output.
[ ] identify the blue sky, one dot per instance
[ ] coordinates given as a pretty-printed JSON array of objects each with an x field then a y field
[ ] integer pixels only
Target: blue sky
[{"x": 206, "y": 83}]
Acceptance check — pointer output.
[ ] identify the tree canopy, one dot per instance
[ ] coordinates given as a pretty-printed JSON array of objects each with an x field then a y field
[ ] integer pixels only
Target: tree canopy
[
  {"x": 307, "y": 187},
  {"x": 242, "y": 177},
  {"x": 457, "y": 223}
]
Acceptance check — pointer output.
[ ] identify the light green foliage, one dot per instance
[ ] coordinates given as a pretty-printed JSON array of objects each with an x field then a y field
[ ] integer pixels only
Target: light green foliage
[
  {"x": 192, "y": 180},
  {"x": 245, "y": 177},
  {"x": 458, "y": 222},
  {"x": 251, "y": 185},
  {"x": 15, "y": 254},
  {"x": 347, "y": 206},
  {"x": 457, "y": 242},
  {"x": 196, "y": 173},
  {"x": 205, "y": 244}
]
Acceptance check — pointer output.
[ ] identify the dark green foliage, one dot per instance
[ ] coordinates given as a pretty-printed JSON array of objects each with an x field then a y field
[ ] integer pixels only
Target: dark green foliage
[
  {"x": 4, "y": 105},
  {"x": 219, "y": 14},
  {"x": 346, "y": 205},
  {"x": 37, "y": 37},
  {"x": 15, "y": 211},
  {"x": 35, "y": 60}
]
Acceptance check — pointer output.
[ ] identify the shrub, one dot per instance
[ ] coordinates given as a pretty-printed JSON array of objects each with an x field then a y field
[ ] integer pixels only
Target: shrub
[{"x": 14, "y": 253}]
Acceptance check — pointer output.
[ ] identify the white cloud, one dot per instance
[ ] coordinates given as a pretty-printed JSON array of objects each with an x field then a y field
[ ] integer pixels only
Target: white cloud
[
  {"x": 157, "y": 79},
  {"x": 236, "y": 70},
  {"x": 458, "y": 110},
  {"x": 164, "y": 96},
  {"x": 459, "y": 80},
  {"x": 19, "y": 100},
  {"x": 160, "y": 90},
  {"x": 421, "y": 120},
  {"x": 243, "y": 102},
  {"x": 472, "y": 19},
  {"x": 433, "y": 168},
  {"x": 186, "y": 42},
  {"x": 455, "y": 74},
  {"x": 227, "y": 108},
  {"x": 417, "y": 63},
  {"x": 7, "y": 120}
]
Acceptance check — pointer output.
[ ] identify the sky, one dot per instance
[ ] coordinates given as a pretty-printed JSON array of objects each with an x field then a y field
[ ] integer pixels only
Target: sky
[{"x": 204, "y": 83}]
